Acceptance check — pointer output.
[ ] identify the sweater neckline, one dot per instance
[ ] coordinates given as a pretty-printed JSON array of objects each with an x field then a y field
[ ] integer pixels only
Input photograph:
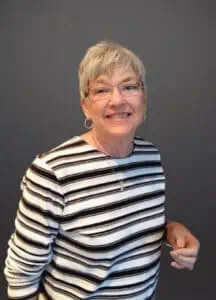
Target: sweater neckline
[{"x": 106, "y": 155}]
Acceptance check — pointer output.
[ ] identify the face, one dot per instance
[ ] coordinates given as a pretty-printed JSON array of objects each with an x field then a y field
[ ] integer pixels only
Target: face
[{"x": 115, "y": 104}]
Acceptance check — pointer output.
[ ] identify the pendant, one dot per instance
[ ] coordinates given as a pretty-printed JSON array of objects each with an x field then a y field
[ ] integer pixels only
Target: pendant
[{"x": 122, "y": 186}]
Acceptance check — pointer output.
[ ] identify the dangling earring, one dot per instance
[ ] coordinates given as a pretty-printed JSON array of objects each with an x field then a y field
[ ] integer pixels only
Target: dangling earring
[
  {"x": 145, "y": 116},
  {"x": 88, "y": 124}
]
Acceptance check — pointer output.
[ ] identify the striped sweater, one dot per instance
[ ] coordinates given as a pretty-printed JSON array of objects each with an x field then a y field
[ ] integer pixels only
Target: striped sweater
[{"x": 88, "y": 226}]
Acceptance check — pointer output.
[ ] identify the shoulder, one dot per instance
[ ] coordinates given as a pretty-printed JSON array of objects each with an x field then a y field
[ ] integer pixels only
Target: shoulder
[
  {"x": 44, "y": 167},
  {"x": 145, "y": 144},
  {"x": 47, "y": 160},
  {"x": 70, "y": 146}
]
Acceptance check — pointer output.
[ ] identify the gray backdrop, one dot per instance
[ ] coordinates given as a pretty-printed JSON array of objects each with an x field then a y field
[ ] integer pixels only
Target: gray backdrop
[{"x": 42, "y": 43}]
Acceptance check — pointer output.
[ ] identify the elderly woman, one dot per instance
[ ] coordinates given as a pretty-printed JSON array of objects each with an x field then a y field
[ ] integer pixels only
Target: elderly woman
[{"x": 91, "y": 219}]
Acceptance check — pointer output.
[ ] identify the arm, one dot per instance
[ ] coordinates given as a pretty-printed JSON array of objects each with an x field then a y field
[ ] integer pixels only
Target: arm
[
  {"x": 36, "y": 226},
  {"x": 185, "y": 246}
]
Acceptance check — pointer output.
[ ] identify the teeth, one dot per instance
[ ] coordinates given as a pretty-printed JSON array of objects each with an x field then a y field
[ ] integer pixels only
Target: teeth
[{"x": 119, "y": 116}]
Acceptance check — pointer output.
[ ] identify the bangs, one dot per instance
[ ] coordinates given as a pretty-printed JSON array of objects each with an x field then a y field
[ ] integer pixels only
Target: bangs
[{"x": 106, "y": 68}]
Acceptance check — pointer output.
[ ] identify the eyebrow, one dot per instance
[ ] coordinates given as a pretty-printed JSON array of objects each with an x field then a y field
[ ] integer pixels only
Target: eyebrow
[{"x": 104, "y": 81}]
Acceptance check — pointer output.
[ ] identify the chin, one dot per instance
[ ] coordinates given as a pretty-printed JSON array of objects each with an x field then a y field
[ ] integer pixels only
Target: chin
[
  {"x": 121, "y": 127},
  {"x": 120, "y": 132}
]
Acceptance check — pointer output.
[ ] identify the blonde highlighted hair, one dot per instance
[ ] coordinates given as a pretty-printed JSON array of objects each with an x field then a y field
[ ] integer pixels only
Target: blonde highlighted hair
[{"x": 102, "y": 58}]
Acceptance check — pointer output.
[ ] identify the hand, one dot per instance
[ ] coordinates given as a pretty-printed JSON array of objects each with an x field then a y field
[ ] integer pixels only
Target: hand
[{"x": 185, "y": 246}]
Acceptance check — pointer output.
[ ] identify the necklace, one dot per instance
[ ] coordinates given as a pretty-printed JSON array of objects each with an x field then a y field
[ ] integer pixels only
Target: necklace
[{"x": 99, "y": 147}]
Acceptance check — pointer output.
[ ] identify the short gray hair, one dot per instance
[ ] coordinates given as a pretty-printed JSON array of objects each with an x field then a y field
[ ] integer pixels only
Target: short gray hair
[{"x": 102, "y": 58}]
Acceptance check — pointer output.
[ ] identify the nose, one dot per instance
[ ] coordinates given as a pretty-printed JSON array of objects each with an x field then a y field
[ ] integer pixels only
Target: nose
[{"x": 117, "y": 97}]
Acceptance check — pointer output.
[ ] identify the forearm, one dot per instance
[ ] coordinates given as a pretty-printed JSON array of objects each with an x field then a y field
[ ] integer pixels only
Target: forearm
[
  {"x": 23, "y": 270},
  {"x": 36, "y": 226}
]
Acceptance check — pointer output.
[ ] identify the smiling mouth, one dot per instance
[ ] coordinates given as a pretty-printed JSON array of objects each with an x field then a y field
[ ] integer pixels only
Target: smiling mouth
[{"x": 119, "y": 116}]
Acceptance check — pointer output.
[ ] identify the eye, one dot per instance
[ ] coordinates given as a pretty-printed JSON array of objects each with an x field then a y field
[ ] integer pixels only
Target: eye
[
  {"x": 130, "y": 87},
  {"x": 101, "y": 90}
]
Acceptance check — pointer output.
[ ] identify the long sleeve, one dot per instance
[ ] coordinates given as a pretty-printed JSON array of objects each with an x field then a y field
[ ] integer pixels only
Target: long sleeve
[{"x": 36, "y": 226}]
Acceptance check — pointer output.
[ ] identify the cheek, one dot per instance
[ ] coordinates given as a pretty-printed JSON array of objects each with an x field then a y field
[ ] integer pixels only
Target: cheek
[
  {"x": 140, "y": 107},
  {"x": 140, "y": 110},
  {"x": 96, "y": 113}
]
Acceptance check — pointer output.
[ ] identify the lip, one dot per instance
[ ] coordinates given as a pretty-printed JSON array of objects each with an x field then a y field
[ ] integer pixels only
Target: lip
[{"x": 114, "y": 115}]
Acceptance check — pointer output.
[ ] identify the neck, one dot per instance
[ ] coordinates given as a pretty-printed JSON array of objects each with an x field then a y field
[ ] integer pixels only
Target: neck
[{"x": 115, "y": 147}]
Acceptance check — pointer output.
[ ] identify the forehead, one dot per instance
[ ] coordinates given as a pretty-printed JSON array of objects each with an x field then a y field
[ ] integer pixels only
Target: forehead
[{"x": 117, "y": 75}]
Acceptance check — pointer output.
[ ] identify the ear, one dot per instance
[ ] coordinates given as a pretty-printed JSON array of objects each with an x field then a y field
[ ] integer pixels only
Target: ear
[
  {"x": 145, "y": 98},
  {"x": 145, "y": 94},
  {"x": 84, "y": 106}
]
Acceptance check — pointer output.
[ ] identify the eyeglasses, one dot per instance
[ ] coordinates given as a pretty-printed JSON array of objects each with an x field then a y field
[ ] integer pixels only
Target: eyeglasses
[{"x": 126, "y": 89}]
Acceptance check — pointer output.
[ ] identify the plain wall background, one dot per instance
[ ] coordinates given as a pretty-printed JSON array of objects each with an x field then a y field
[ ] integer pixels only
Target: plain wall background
[{"x": 42, "y": 43}]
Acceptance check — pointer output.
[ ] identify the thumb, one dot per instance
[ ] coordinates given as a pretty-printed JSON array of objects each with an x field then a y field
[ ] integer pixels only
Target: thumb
[{"x": 180, "y": 242}]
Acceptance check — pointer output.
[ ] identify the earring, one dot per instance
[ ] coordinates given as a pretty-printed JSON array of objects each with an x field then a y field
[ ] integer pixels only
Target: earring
[
  {"x": 88, "y": 124},
  {"x": 145, "y": 116}
]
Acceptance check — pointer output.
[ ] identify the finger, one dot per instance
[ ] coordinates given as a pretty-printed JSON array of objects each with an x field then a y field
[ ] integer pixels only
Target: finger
[
  {"x": 176, "y": 265},
  {"x": 184, "y": 260},
  {"x": 189, "y": 252},
  {"x": 178, "y": 242},
  {"x": 192, "y": 241},
  {"x": 187, "y": 262}
]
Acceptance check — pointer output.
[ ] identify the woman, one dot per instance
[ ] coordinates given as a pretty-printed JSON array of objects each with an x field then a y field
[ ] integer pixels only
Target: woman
[{"x": 91, "y": 219}]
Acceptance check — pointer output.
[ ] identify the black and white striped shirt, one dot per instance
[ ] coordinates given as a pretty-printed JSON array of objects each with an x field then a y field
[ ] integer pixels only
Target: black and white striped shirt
[{"x": 88, "y": 226}]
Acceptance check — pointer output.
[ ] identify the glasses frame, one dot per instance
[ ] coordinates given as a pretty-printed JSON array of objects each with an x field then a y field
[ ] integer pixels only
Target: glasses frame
[{"x": 119, "y": 89}]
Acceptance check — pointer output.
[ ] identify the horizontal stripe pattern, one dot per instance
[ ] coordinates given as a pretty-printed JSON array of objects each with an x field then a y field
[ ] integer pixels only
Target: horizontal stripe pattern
[{"x": 78, "y": 235}]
